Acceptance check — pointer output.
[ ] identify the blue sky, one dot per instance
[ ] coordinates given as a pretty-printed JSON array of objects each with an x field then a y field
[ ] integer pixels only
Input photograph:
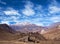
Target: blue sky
[{"x": 39, "y": 12}]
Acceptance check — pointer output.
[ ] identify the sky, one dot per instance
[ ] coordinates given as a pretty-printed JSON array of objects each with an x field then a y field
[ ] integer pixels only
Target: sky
[{"x": 39, "y": 12}]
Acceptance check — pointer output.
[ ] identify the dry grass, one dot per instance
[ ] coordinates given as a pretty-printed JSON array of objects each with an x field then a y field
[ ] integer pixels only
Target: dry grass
[{"x": 41, "y": 42}]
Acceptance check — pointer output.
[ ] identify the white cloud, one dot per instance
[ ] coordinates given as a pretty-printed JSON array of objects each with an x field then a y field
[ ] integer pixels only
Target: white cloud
[
  {"x": 12, "y": 16},
  {"x": 3, "y": 2},
  {"x": 23, "y": 23},
  {"x": 10, "y": 19},
  {"x": 11, "y": 11},
  {"x": 39, "y": 24},
  {"x": 54, "y": 2},
  {"x": 1, "y": 11},
  {"x": 4, "y": 22},
  {"x": 28, "y": 11},
  {"x": 38, "y": 7},
  {"x": 55, "y": 19},
  {"x": 54, "y": 9},
  {"x": 29, "y": 4}
]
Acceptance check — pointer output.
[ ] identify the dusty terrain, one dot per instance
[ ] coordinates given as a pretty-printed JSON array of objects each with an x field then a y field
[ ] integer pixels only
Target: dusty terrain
[{"x": 41, "y": 42}]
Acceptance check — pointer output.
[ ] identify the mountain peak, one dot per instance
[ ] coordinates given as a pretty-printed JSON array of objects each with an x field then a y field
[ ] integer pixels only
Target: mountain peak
[
  {"x": 6, "y": 28},
  {"x": 23, "y": 23}
]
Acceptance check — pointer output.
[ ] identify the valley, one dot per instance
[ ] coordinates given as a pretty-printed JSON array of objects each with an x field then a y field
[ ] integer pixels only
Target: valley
[{"x": 29, "y": 34}]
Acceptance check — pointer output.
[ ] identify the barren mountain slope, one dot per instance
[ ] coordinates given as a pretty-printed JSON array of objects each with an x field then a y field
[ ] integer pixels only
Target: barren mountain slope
[{"x": 53, "y": 33}]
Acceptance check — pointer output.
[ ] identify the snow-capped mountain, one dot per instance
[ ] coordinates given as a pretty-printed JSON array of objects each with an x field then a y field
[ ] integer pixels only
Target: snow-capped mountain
[{"x": 27, "y": 27}]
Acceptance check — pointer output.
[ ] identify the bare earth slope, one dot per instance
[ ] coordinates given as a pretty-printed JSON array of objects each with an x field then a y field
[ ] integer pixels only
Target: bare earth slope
[{"x": 53, "y": 33}]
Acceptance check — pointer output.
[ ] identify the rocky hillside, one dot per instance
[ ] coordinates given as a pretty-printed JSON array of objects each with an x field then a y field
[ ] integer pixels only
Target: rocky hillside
[
  {"x": 53, "y": 32},
  {"x": 6, "y": 28},
  {"x": 32, "y": 37},
  {"x": 6, "y": 32}
]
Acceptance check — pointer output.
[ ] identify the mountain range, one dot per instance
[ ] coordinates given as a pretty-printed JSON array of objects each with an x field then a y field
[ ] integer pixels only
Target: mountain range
[
  {"x": 17, "y": 31},
  {"x": 7, "y": 33},
  {"x": 28, "y": 27}
]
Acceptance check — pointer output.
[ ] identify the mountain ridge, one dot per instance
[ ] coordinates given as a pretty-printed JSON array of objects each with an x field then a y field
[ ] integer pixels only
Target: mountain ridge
[{"x": 28, "y": 28}]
